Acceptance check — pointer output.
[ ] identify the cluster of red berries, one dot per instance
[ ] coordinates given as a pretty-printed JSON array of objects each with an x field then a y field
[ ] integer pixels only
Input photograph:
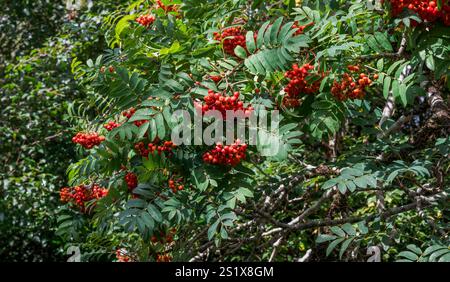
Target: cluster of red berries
[
  {"x": 176, "y": 184},
  {"x": 122, "y": 255},
  {"x": 427, "y": 10},
  {"x": 226, "y": 155},
  {"x": 163, "y": 237},
  {"x": 231, "y": 37},
  {"x": 299, "y": 83},
  {"x": 131, "y": 180},
  {"x": 88, "y": 140},
  {"x": 128, "y": 114},
  {"x": 163, "y": 258},
  {"x": 350, "y": 88},
  {"x": 144, "y": 151},
  {"x": 79, "y": 195},
  {"x": 146, "y": 20},
  {"x": 222, "y": 103},
  {"x": 300, "y": 28},
  {"x": 111, "y": 125},
  {"x": 168, "y": 8}
]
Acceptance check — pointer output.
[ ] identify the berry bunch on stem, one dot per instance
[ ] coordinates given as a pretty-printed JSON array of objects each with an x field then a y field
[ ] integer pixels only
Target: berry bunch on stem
[
  {"x": 222, "y": 103},
  {"x": 176, "y": 184},
  {"x": 231, "y": 37},
  {"x": 427, "y": 10},
  {"x": 131, "y": 180},
  {"x": 88, "y": 140},
  {"x": 302, "y": 81},
  {"x": 230, "y": 155},
  {"x": 79, "y": 195},
  {"x": 145, "y": 150},
  {"x": 111, "y": 125},
  {"x": 349, "y": 87},
  {"x": 146, "y": 20}
]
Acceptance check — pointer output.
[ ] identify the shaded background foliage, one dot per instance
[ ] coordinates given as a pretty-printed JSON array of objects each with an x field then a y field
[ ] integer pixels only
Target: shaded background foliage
[
  {"x": 38, "y": 41},
  {"x": 26, "y": 24}
]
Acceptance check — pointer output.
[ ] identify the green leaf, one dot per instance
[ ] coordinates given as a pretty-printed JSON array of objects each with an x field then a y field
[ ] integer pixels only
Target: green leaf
[
  {"x": 160, "y": 126},
  {"x": 330, "y": 183},
  {"x": 338, "y": 231},
  {"x": 250, "y": 42},
  {"x": 174, "y": 85},
  {"x": 362, "y": 227},
  {"x": 445, "y": 258},
  {"x": 240, "y": 52},
  {"x": 246, "y": 192},
  {"x": 386, "y": 86},
  {"x": 223, "y": 232},
  {"x": 402, "y": 94},
  {"x": 155, "y": 213},
  {"x": 361, "y": 182},
  {"x": 212, "y": 229},
  {"x": 395, "y": 89},
  {"x": 122, "y": 24},
  {"x": 342, "y": 187},
  {"x": 260, "y": 37},
  {"x": 432, "y": 249},
  {"x": 380, "y": 64},
  {"x": 383, "y": 41},
  {"x": 123, "y": 74},
  {"x": 136, "y": 203},
  {"x": 409, "y": 255},
  {"x": 434, "y": 256},
  {"x": 275, "y": 28},
  {"x": 333, "y": 245},
  {"x": 143, "y": 129},
  {"x": 325, "y": 238},
  {"x": 148, "y": 220},
  {"x": 345, "y": 246},
  {"x": 349, "y": 229},
  {"x": 414, "y": 249},
  {"x": 394, "y": 66}
]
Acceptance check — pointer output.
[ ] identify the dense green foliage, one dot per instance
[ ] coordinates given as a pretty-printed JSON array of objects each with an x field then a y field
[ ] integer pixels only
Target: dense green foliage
[
  {"x": 353, "y": 176},
  {"x": 26, "y": 24}
]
